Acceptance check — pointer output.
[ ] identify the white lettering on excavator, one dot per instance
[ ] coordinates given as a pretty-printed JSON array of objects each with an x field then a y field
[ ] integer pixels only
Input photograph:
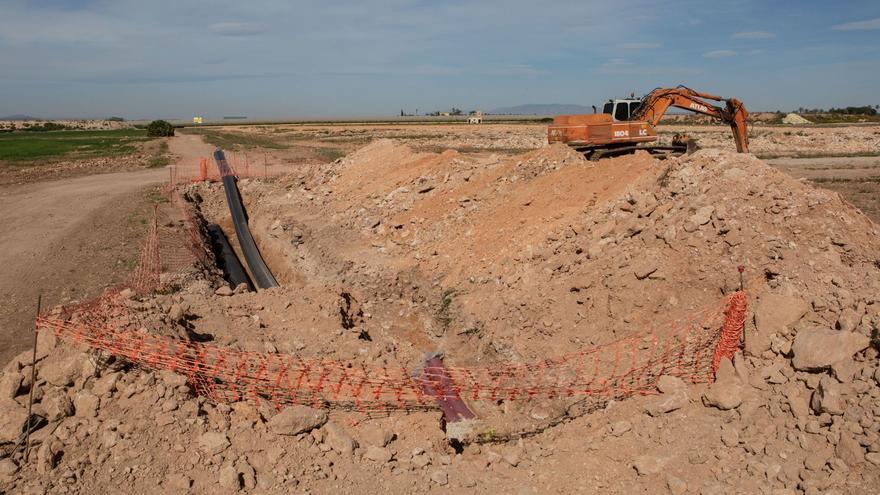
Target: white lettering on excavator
[
  {"x": 643, "y": 132},
  {"x": 621, "y": 134},
  {"x": 697, "y": 106}
]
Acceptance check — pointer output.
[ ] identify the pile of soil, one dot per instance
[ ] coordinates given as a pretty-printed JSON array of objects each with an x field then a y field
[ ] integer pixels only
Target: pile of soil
[{"x": 389, "y": 254}]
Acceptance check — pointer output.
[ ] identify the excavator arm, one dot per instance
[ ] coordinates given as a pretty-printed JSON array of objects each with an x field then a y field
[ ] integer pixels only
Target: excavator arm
[{"x": 655, "y": 104}]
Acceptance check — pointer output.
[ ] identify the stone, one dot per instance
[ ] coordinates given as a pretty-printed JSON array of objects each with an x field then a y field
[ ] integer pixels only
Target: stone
[
  {"x": 228, "y": 478},
  {"x": 773, "y": 313},
  {"x": 798, "y": 404},
  {"x": 817, "y": 348},
  {"x": 294, "y": 420},
  {"x": 375, "y": 435},
  {"x": 48, "y": 455},
  {"x": 668, "y": 384},
  {"x": 826, "y": 398},
  {"x": 849, "y": 451},
  {"x": 514, "y": 455},
  {"x": 338, "y": 439},
  {"x": 649, "y": 464},
  {"x": 247, "y": 474},
  {"x": 440, "y": 477},
  {"x": 61, "y": 372},
  {"x": 224, "y": 290},
  {"x": 848, "y": 320},
  {"x": 644, "y": 268},
  {"x": 667, "y": 402},
  {"x": 844, "y": 370},
  {"x": 702, "y": 216},
  {"x": 171, "y": 379},
  {"x": 46, "y": 342},
  {"x": 106, "y": 384},
  {"x": 12, "y": 417},
  {"x": 619, "y": 428},
  {"x": 676, "y": 485},
  {"x": 873, "y": 458},
  {"x": 726, "y": 392},
  {"x": 378, "y": 454},
  {"x": 213, "y": 442},
  {"x": 176, "y": 312},
  {"x": 86, "y": 404},
  {"x": 817, "y": 459},
  {"x": 10, "y": 384},
  {"x": 8, "y": 468},
  {"x": 729, "y": 436},
  {"x": 57, "y": 404}
]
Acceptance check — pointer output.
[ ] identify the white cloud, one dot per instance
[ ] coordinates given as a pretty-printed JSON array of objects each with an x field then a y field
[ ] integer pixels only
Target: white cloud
[
  {"x": 753, "y": 35},
  {"x": 640, "y": 46},
  {"x": 858, "y": 25},
  {"x": 720, "y": 54},
  {"x": 236, "y": 29}
]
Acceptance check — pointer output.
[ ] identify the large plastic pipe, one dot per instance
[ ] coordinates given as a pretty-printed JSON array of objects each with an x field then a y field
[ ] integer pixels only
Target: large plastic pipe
[
  {"x": 262, "y": 276},
  {"x": 227, "y": 260}
]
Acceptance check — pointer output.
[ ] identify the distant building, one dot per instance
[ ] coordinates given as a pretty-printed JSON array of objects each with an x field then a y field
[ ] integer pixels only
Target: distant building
[
  {"x": 476, "y": 117},
  {"x": 444, "y": 114},
  {"x": 198, "y": 120}
]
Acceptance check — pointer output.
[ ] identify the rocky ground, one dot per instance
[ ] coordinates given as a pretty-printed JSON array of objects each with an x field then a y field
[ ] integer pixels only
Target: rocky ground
[{"x": 495, "y": 257}]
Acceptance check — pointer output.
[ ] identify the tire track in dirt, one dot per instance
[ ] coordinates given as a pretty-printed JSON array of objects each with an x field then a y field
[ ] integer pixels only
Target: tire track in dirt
[{"x": 70, "y": 238}]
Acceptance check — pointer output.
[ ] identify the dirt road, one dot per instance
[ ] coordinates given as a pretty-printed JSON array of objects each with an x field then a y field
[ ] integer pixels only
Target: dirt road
[{"x": 70, "y": 238}]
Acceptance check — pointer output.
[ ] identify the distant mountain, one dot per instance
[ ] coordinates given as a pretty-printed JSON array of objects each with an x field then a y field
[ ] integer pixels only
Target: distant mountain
[
  {"x": 19, "y": 116},
  {"x": 543, "y": 109}
]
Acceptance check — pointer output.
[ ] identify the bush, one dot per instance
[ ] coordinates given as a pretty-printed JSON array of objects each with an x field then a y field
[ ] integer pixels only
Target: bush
[{"x": 160, "y": 128}]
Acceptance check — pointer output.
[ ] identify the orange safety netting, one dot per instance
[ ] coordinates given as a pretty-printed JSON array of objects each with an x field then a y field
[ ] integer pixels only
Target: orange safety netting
[
  {"x": 690, "y": 348},
  {"x": 240, "y": 168}
]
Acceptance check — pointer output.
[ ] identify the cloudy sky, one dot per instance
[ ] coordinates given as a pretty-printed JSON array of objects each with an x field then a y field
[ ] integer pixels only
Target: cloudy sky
[{"x": 287, "y": 58}]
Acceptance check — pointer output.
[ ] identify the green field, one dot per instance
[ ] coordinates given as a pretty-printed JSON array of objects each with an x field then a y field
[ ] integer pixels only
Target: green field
[
  {"x": 235, "y": 140},
  {"x": 24, "y": 148}
]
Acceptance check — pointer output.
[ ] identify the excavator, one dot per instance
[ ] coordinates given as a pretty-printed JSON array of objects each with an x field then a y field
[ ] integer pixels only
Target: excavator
[{"x": 628, "y": 125}]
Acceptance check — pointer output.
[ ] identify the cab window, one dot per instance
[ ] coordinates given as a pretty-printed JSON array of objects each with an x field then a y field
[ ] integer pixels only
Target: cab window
[
  {"x": 621, "y": 111},
  {"x": 608, "y": 108},
  {"x": 633, "y": 107}
]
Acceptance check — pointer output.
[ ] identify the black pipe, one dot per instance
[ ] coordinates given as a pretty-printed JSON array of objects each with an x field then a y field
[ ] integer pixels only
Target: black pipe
[
  {"x": 262, "y": 276},
  {"x": 227, "y": 260}
]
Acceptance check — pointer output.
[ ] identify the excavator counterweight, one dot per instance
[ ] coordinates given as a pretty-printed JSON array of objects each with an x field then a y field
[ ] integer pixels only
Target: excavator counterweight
[{"x": 629, "y": 125}]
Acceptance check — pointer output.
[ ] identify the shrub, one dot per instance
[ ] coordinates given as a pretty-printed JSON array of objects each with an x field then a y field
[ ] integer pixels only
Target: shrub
[{"x": 160, "y": 128}]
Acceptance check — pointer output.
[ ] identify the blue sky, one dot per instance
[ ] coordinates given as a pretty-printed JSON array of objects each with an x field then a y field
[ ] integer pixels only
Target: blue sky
[{"x": 287, "y": 58}]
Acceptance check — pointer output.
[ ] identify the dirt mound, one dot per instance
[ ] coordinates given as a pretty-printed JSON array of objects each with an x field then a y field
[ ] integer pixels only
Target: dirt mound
[
  {"x": 794, "y": 118},
  {"x": 390, "y": 254}
]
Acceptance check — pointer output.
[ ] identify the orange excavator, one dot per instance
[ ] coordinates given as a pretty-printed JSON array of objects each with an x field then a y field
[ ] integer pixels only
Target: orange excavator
[{"x": 629, "y": 124}]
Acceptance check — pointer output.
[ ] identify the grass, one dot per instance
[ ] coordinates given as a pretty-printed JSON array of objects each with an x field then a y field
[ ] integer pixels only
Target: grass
[
  {"x": 235, "y": 140},
  {"x": 161, "y": 159},
  {"x": 24, "y": 148},
  {"x": 444, "y": 309},
  {"x": 329, "y": 154}
]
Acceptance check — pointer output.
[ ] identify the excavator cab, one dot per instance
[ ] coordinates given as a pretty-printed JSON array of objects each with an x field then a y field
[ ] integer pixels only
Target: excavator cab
[{"x": 621, "y": 110}]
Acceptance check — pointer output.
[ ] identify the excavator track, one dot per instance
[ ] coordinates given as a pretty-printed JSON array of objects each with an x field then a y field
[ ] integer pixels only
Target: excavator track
[{"x": 659, "y": 152}]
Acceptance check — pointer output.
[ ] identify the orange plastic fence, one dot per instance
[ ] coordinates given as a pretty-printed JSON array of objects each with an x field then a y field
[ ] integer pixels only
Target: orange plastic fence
[
  {"x": 243, "y": 169},
  {"x": 690, "y": 348}
]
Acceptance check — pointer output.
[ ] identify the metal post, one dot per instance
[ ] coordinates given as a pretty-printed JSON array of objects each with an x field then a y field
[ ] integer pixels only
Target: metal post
[{"x": 27, "y": 421}]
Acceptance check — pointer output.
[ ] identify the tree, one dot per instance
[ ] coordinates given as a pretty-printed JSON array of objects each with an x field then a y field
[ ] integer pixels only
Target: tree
[{"x": 160, "y": 128}]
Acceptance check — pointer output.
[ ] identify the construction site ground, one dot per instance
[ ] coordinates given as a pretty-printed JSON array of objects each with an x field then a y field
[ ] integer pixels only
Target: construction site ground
[{"x": 485, "y": 244}]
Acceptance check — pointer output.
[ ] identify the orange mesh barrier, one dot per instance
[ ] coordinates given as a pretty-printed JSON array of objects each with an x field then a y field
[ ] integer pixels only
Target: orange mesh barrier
[
  {"x": 240, "y": 169},
  {"x": 689, "y": 348}
]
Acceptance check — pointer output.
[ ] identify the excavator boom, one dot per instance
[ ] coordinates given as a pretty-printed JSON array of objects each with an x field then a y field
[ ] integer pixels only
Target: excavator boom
[
  {"x": 615, "y": 132},
  {"x": 655, "y": 104}
]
